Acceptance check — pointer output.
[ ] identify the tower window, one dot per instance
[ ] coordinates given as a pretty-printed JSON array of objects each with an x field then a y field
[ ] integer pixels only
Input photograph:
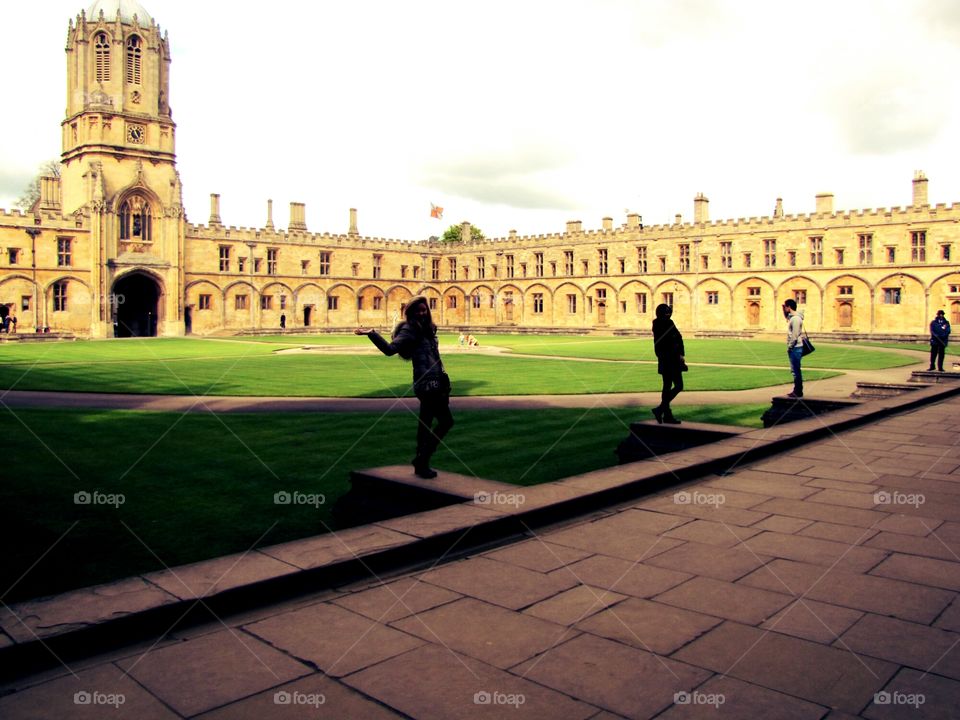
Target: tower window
[
  {"x": 133, "y": 60},
  {"x": 135, "y": 220},
  {"x": 101, "y": 51}
]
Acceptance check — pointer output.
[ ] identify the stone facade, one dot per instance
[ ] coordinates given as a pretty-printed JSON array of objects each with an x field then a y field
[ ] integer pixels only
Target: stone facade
[{"x": 108, "y": 250}]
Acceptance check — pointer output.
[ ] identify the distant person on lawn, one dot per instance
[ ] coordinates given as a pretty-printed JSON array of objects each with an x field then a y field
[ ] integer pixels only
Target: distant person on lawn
[
  {"x": 794, "y": 345},
  {"x": 668, "y": 345},
  {"x": 939, "y": 337},
  {"x": 416, "y": 339}
]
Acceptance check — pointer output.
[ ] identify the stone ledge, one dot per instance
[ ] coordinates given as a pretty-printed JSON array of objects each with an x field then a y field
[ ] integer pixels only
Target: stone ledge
[{"x": 86, "y": 621}]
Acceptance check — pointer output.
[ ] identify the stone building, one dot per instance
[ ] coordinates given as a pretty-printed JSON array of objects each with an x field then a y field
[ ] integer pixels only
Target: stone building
[{"x": 107, "y": 249}]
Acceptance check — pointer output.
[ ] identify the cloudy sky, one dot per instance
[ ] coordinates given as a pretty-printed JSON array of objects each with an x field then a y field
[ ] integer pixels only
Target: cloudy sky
[{"x": 524, "y": 114}]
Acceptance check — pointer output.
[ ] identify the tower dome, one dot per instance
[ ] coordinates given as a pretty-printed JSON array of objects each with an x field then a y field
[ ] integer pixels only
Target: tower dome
[{"x": 127, "y": 9}]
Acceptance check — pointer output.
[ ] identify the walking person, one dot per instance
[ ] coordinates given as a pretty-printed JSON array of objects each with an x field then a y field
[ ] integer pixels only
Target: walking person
[
  {"x": 416, "y": 339},
  {"x": 939, "y": 337},
  {"x": 668, "y": 345},
  {"x": 794, "y": 344}
]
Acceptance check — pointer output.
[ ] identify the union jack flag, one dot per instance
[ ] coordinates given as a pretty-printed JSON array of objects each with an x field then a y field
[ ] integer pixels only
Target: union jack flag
[{"x": 436, "y": 211}]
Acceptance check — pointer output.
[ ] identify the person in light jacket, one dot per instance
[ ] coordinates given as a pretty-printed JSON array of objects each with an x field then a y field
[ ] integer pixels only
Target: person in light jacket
[{"x": 794, "y": 345}]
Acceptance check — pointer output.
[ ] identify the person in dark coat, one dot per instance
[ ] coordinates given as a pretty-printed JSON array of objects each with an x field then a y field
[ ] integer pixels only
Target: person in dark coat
[
  {"x": 416, "y": 339},
  {"x": 668, "y": 345},
  {"x": 939, "y": 337}
]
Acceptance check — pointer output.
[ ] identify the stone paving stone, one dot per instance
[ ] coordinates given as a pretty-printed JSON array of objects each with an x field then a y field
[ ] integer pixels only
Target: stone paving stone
[
  {"x": 201, "y": 674},
  {"x": 761, "y": 488},
  {"x": 623, "y": 576},
  {"x": 934, "y": 547},
  {"x": 777, "y": 465},
  {"x": 313, "y": 697},
  {"x": 433, "y": 683},
  {"x": 812, "y": 620},
  {"x": 925, "y": 571},
  {"x": 928, "y": 485},
  {"x": 509, "y": 586},
  {"x": 726, "y": 600},
  {"x": 904, "y": 643},
  {"x": 815, "y": 551},
  {"x": 819, "y": 511},
  {"x": 950, "y": 619},
  {"x": 537, "y": 554},
  {"x": 649, "y": 626},
  {"x": 909, "y": 525},
  {"x": 720, "y": 563},
  {"x": 453, "y": 518},
  {"x": 333, "y": 639},
  {"x": 614, "y": 537},
  {"x": 883, "y": 465},
  {"x": 951, "y": 450},
  {"x": 486, "y": 632},
  {"x": 814, "y": 672},
  {"x": 574, "y": 605},
  {"x": 26, "y": 621},
  {"x": 845, "y": 498},
  {"x": 939, "y": 698},
  {"x": 847, "y": 534},
  {"x": 336, "y": 546},
  {"x": 730, "y": 496},
  {"x": 621, "y": 679},
  {"x": 740, "y": 701},
  {"x": 854, "y": 470},
  {"x": 781, "y": 524},
  {"x": 64, "y": 698},
  {"x": 852, "y": 590},
  {"x": 209, "y": 577},
  {"x": 865, "y": 487},
  {"x": 713, "y": 533},
  {"x": 783, "y": 477},
  {"x": 720, "y": 514},
  {"x": 395, "y": 600}
]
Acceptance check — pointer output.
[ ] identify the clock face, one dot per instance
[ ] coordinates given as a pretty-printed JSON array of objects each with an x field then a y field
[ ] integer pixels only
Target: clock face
[{"x": 135, "y": 134}]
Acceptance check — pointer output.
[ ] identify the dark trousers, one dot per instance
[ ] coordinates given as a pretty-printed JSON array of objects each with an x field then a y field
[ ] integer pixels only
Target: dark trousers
[
  {"x": 936, "y": 356},
  {"x": 433, "y": 406},
  {"x": 672, "y": 386},
  {"x": 796, "y": 355}
]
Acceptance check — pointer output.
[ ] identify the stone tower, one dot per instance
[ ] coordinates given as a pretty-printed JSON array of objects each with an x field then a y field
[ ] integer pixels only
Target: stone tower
[{"x": 119, "y": 168}]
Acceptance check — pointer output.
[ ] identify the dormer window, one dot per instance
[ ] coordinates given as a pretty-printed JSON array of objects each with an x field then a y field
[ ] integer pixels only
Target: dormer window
[
  {"x": 133, "y": 60},
  {"x": 135, "y": 220},
  {"x": 101, "y": 52}
]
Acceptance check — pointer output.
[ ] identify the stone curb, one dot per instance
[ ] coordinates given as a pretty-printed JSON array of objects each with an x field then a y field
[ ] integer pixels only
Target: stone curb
[{"x": 84, "y": 622}]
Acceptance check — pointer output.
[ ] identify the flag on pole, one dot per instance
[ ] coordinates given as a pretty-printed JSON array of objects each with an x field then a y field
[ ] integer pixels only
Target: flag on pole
[{"x": 436, "y": 211}]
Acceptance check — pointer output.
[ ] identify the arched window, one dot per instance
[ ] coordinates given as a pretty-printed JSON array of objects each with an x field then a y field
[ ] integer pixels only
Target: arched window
[
  {"x": 135, "y": 220},
  {"x": 101, "y": 51},
  {"x": 133, "y": 60}
]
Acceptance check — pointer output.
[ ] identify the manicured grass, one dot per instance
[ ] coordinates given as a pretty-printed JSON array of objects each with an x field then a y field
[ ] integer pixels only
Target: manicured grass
[
  {"x": 317, "y": 374},
  {"x": 953, "y": 349},
  {"x": 197, "y": 486}
]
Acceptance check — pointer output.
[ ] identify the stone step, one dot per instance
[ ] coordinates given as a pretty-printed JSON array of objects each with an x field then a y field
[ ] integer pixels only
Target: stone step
[{"x": 648, "y": 438}]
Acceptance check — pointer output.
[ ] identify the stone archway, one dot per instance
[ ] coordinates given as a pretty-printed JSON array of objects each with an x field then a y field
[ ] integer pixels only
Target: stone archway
[{"x": 137, "y": 304}]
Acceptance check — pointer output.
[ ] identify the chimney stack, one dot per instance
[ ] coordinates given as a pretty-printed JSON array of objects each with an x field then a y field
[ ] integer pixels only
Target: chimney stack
[
  {"x": 701, "y": 209},
  {"x": 298, "y": 216},
  {"x": 778, "y": 210},
  {"x": 353, "y": 222},
  {"x": 824, "y": 203},
  {"x": 269, "y": 225},
  {"x": 214, "y": 209},
  {"x": 574, "y": 226},
  {"x": 920, "y": 189},
  {"x": 49, "y": 193}
]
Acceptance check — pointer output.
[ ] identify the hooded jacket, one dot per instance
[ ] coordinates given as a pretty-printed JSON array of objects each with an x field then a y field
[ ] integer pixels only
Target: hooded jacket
[{"x": 795, "y": 330}]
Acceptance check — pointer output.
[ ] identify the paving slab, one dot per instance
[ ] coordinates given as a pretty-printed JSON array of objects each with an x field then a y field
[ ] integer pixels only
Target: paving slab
[
  {"x": 622, "y": 576},
  {"x": 538, "y": 554},
  {"x": 486, "y": 632},
  {"x": 925, "y": 571},
  {"x": 651, "y": 626},
  {"x": 816, "y": 673},
  {"x": 725, "y": 600},
  {"x": 915, "y": 694},
  {"x": 883, "y": 596},
  {"x": 574, "y": 605},
  {"x": 904, "y": 643},
  {"x": 435, "y": 683},
  {"x": 950, "y": 619},
  {"x": 932, "y": 547},
  {"x": 626, "y": 681},
  {"x": 714, "y": 533},
  {"x": 334, "y": 547},
  {"x": 209, "y": 577},
  {"x": 815, "y": 551},
  {"x": 736, "y": 700},
  {"x": 710, "y": 561},
  {"x": 394, "y": 600},
  {"x": 812, "y": 620},
  {"x": 207, "y": 672},
  {"x": 780, "y": 524},
  {"x": 846, "y": 534},
  {"x": 819, "y": 511},
  {"x": 331, "y": 638},
  {"x": 620, "y": 536}
]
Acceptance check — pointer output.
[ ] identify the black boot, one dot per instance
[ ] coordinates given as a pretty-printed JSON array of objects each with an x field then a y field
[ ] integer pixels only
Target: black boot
[
  {"x": 669, "y": 419},
  {"x": 421, "y": 467}
]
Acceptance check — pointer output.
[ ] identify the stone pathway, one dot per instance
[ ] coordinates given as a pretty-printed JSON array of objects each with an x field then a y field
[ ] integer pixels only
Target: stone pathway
[{"x": 820, "y": 583}]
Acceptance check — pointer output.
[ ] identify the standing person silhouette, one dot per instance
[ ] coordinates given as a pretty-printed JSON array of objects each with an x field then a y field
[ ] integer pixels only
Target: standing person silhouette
[
  {"x": 416, "y": 339},
  {"x": 939, "y": 337},
  {"x": 668, "y": 345}
]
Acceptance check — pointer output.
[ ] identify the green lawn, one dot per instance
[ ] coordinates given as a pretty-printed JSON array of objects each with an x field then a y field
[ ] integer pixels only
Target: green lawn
[{"x": 197, "y": 485}]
